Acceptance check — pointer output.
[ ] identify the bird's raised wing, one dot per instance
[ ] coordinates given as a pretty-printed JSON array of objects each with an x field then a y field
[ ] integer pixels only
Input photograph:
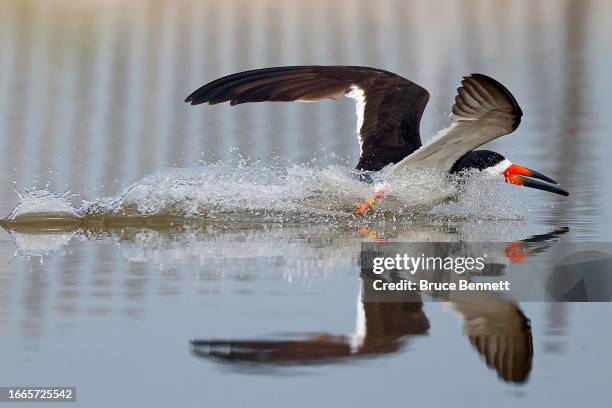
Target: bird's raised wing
[
  {"x": 483, "y": 111},
  {"x": 389, "y": 107}
]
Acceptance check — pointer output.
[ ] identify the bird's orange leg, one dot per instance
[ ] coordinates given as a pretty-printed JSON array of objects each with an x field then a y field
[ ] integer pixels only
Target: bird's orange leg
[{"x": 369, "y": 203}]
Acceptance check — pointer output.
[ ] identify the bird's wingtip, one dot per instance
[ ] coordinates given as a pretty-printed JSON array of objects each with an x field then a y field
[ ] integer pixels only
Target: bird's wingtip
[
  {"x": 496, "y": 84},
  {"x": 192, "y": 100},
  {"x": 479, "y": 75}
]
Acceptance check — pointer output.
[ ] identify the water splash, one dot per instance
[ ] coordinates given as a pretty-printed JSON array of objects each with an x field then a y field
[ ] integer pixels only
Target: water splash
[
  {"x": 278, "y": 193},
  {"x": 46, "y": 203}
]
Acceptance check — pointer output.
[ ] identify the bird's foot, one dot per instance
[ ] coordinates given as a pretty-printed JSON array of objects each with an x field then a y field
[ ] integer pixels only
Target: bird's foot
[{"x": 369, "y": 203}]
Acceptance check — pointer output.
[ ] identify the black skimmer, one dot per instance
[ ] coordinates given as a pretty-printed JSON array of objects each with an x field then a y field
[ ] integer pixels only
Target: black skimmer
[{"x": 389, "y": 110}]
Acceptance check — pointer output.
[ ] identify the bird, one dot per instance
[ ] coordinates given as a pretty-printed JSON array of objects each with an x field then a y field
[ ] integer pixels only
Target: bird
[{"x": 389, "y": 109}]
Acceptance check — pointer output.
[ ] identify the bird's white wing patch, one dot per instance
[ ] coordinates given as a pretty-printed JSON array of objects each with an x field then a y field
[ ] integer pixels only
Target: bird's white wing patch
[{"x": 357, "y": 93}]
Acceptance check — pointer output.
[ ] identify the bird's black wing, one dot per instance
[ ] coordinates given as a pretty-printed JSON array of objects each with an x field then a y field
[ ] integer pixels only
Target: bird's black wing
[{"x": 389, "y": 107}]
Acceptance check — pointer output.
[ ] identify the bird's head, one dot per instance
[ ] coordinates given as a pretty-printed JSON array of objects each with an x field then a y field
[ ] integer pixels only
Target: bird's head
[{"x": 496, "y": 164}]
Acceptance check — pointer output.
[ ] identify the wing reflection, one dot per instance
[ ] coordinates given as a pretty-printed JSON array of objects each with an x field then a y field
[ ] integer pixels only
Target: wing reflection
[
  {"x": 384, "y": 330},
  {"x": 501, "y": 333},
  {"x": 497, "y": 329}
]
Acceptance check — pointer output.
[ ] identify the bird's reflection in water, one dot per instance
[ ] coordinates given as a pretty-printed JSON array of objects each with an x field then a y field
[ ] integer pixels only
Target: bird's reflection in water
[{"x": 496, "y": 328}]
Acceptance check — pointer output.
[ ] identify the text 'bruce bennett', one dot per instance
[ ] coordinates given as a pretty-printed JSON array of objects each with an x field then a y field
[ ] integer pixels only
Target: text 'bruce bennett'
[{"x": 425, "y": 285}]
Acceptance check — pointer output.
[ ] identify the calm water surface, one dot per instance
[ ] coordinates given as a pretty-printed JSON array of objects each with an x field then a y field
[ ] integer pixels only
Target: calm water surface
[{"x": 144, "y": 315}]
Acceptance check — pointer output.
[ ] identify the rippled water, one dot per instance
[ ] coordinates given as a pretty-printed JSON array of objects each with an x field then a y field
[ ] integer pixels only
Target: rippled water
[{"x": 147, "y": 238}]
